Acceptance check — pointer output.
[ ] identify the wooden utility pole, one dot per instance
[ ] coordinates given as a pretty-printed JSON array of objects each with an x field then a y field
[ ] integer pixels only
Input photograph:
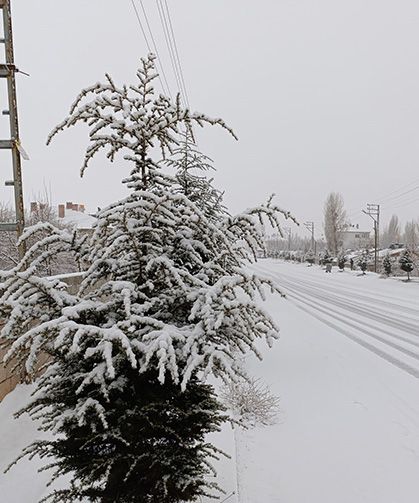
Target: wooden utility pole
[
  {"x": 373, "y": 211},
  {"x": 8, "y": 71},
  {"x": 310, "y": 227}
]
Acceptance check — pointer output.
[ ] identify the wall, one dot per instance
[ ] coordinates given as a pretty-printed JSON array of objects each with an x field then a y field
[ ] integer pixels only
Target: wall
[{"x": 9, "y": 379}]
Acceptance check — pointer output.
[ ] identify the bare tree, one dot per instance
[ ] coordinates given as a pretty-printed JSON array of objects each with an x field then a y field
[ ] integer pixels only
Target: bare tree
[
  {"x": 391, "y": 233},
  {"x": 411, "y": 235},
  {"x": 41, "y": 211},
  {"x": 8, "y": 249},
  {"x": 334, "y": 221}
]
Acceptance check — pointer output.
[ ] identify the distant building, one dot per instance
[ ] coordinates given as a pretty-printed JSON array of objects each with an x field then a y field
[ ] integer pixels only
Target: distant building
[
  {"x": 74, "y": 215},
  {"x": 354, "y": 239}
]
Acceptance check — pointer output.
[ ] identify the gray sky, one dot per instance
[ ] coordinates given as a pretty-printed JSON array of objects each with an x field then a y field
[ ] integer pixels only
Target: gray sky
[{"x": 324, "y": 96}]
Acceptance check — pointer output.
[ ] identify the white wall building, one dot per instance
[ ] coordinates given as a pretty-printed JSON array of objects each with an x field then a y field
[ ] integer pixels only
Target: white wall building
[{"x": 354, "y": 239}]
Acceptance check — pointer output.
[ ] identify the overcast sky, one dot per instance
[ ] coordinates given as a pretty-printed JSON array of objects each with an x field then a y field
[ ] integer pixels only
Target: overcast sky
[{"x": 323, "y": 94}]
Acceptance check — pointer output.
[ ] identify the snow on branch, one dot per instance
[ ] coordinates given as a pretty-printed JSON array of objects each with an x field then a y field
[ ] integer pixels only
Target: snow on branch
[
  {"x": 166, "y": 294},
  {"x": 131, "y": 119}
]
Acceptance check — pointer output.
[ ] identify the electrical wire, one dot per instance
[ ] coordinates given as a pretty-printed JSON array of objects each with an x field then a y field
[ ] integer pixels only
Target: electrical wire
[
  {"x": 177, "y": 53},
  {"x": 402, "y": 194},
  {"x": 403, "y": 204},
  {"x": 146, "y": 39},
  {"x": 392, "y": 198},
  {"x": 155, "y": 47},
  {"x": 170, "y": 48},
  {"x": 390, "y": 194}
]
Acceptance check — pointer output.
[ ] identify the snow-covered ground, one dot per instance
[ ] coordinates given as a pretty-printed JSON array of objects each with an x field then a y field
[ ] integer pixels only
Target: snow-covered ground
[{"x": 346, "y": 369}]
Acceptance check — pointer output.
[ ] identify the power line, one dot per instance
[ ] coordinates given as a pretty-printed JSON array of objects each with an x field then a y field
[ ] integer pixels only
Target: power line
[
  {"x": 169, "y": 45},
  {"x": 155, "y": 48},
  {"x": 177, "y": 53},
  {"x": 400, "y": 195},
  {"x": 390, "y": 201},
  {"x": 170, "y": 48},
  {"x": 403, "y": 187},
  {"x": 146, "y": 39},
  {"x": 403, "y": 204}
]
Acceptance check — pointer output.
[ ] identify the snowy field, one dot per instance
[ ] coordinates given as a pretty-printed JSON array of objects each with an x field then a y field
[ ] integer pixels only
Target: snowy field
[{"x": 346, "y": 369}]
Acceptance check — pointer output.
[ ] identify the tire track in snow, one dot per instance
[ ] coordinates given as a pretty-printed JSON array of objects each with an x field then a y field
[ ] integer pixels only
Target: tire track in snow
[
  {"x": 359, "y": 292},
  {"x": 335, "y": 315},
  {"x": 354, "y": 307},
  {"x": 343, "y": 293},
  {"x": 386, "y": 356},
  {"x": 307, "y": 299},
  {"x": 349, "y": 304},
  {"x": 356, "y": 320}
]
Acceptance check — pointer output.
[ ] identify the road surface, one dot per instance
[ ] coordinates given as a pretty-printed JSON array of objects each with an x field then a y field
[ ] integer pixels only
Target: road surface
[{"x": 382, "y": 315}]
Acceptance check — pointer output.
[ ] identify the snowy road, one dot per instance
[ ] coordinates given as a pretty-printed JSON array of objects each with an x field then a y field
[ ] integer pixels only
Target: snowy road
[{"x": 377, "y": 314}]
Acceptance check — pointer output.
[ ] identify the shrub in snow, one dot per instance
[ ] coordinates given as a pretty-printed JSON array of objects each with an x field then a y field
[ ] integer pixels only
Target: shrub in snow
[
  {"x": 252, "y": 403},
  {"x": 363, "y": 261},
  {"x": 165, "y": 301},
  {"x": 310, "y": 257},
  {"x": 326, "y": 258},
  {"x": 341, "y": 261},
  {"x": 387, "y": 265},
  {"x": 406, "y": 263}
]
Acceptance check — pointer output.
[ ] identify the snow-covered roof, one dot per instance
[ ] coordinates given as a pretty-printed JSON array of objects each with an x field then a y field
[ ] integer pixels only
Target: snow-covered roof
[
  {"x": 78, "y": 219},
  {"x": 355, "y": 231},
  {"x": 391, "y": 252}
]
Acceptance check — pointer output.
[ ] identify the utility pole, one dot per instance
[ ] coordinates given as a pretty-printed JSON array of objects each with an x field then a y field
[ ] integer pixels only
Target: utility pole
[
  {"x": 310, "y": 227},
  {"x": 8, "y": 71},
  {"x": 373, "y": 211}
]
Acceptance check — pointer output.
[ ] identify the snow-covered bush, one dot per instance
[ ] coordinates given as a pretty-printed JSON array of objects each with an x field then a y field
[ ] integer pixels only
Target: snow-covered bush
[
  {"x": 341, "y": 261},
  {"x": 251, "y": 402},
  {"x": 165, "y": 301},
  {"x": 387, "y": 265},
  {"x": 363, "y": 260},
  {"x": 310, "y": 257},
  {"x": 325, "y": 258},
  {"x": 406, "y": 263}
]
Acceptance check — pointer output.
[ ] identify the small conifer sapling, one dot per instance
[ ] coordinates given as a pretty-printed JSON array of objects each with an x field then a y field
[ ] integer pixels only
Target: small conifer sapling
[
  {"x": 387, "y": 265},
  {"x": 406, "y": 263}
]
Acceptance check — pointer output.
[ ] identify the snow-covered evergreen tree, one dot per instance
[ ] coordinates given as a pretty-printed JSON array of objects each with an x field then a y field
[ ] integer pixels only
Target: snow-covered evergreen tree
[
  {"x": 406, "y": 263},
  {"x": 326, "y": 258},
  {"x": 363, "y": 261},
  {"x": 165, "y": 301},
  {"x": 191, "y": 167},
  {"x": 387, "y": 265}
]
